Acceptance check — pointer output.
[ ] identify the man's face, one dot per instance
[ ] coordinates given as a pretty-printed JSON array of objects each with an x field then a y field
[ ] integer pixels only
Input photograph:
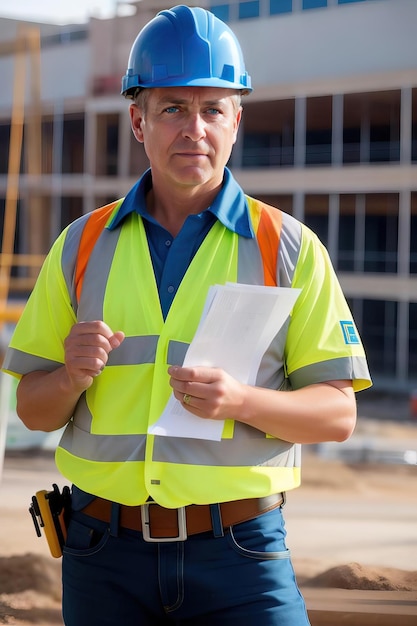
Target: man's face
[{"x": 188, "y": 134}]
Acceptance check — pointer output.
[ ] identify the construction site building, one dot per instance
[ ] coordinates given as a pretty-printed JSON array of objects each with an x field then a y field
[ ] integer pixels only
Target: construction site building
[{"x": 329, "y": 134}]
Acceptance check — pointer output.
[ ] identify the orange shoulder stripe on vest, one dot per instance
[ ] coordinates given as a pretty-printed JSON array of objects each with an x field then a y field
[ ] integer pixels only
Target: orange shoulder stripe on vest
[
  {"x": 92, "y": 229},
  {"x": 268, "y": 236}
]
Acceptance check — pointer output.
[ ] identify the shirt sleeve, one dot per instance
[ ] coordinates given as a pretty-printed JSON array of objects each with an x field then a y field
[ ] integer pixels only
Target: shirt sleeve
[
  {"x": 323, "y": 342},
  {"x": 37, "y": 342}
]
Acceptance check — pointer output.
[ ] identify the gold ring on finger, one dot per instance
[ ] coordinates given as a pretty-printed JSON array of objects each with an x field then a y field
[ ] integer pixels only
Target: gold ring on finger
[{"x": 186, "y": 398}]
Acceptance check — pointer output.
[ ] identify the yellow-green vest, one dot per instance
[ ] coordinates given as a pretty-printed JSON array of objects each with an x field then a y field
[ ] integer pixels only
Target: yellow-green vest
[{"x": 105, "y": 449}]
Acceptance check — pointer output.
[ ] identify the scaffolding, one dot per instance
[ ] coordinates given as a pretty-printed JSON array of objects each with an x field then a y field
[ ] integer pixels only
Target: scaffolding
[{"x": 26, "y": 51}]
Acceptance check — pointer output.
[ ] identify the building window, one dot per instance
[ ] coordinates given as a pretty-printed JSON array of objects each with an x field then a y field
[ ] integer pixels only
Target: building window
[
  {"x": 349, "y": 1},
  {"x": 368, "y": 232},
  {"x": 379, "y": 336},
  {"x": 381, "y": 233},
  {"x": 248, "y": 9},
  {"x": 314, "y": 4},
  {"x": 73, "y": 145},
  {"x": 371, "y": 127},
  {"x": 280, "y": 6},
  {"x": 316, "y": 215},
  {"x": 319, "y": 131},
  {"x": 266, "y": 150},
  {"x": 347, "y": 251},
  {"x": 268, "y": 137},
  {"x": 71, "y": 209},
  {"x": 383, "y": 148},
  {"x": 107, "y": 144},
  {"x": 222, "y": 11},
  {"x": 319, "y": 147},
  {"x": 64, "y": 37},
  {"x": 351, "y": 145}
]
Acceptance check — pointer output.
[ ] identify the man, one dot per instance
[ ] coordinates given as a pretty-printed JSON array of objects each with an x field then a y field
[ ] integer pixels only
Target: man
[{"x": 169, "y": 529}]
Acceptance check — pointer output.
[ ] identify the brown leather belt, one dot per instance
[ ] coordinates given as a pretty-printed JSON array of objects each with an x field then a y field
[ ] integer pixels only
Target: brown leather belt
[{"x": 160, "y": 524}]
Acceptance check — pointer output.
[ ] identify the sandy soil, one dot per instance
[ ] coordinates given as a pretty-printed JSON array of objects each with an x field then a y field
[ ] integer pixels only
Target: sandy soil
[{"x": 351, "y": 529}]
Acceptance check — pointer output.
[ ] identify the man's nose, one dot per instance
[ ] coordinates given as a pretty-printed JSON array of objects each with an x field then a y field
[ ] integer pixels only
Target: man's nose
[{"x": 194, "y": 127}]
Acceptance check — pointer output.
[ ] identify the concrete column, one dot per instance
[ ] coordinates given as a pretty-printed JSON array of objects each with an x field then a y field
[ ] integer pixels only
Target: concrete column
[
  {"x": 406, "y": 125},
  {"x": 90, "y": 142},
  {"x": 57, "y": 151},
  {"x": 404, "y": 232},
  {"x": 90, "y": 159},
  {"x": 337, "y": 129},
  {"x": 298, "y": 205},
  {"x": 300, "y": 131}
]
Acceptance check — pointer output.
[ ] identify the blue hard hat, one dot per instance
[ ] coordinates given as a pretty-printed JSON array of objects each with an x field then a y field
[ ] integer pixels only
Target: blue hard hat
[{"x": 182, "y": 47}]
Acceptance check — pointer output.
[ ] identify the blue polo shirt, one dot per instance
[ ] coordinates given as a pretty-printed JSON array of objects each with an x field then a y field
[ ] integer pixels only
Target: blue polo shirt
[{"x": 170, "y": 255}]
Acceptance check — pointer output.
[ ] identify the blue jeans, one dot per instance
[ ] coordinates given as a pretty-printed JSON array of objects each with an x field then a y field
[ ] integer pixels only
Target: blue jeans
[{"x": 244, "y": 578}]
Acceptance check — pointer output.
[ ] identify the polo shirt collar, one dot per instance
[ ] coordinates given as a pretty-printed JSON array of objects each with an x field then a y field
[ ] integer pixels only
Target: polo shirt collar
[{"x": 229, "y": 206}]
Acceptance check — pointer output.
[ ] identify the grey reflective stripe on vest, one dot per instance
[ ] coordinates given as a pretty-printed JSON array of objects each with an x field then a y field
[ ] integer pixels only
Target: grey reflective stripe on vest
[
  {"x": 289, "y": 250},
  {"x": 134, "y": 350},
  {"x": 331, "y": 370},
  {"x": 176, "y": 352},
  {"x": 249, "y": 446},
  {"x": 24, "y": 363},
  {"x": 69, "y": 256},
  {"x": 250, "y": 266},
  {"x": 90, "y": 306},
  {"x": 103, "y": 447}
]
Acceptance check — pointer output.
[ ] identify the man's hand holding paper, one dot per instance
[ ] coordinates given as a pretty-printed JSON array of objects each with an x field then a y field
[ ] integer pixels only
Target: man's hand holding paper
[{"x": 238, "y": 324}]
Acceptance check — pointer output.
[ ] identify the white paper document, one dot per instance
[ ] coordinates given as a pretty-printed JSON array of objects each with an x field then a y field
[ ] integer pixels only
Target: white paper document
[{"x": 237, "y": 326}]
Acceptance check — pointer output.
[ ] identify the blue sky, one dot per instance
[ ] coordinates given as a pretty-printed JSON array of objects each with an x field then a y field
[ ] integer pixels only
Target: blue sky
[{"x": 57, "y": 11}]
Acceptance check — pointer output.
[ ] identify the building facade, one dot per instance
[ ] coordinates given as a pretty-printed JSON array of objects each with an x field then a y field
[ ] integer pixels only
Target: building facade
[{"x": 329, "y": 134}]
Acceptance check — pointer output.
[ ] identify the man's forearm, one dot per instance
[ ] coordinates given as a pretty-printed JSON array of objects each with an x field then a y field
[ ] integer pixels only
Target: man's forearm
[
  {"x": 46, "y": 400},
  {"x": 317, "y": 413}
]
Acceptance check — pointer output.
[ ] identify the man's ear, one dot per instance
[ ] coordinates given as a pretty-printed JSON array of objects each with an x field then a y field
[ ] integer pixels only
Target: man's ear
[{"x": 136, "y": 119}]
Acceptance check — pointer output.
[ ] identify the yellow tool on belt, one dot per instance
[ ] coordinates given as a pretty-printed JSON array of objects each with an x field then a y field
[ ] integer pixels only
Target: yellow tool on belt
[{"x": 50, "y": 511}]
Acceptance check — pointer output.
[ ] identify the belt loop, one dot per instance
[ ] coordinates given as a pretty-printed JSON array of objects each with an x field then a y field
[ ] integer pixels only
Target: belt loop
[
  {"x": 216, "y": 520},
  {"x": 114, "y": 519}
]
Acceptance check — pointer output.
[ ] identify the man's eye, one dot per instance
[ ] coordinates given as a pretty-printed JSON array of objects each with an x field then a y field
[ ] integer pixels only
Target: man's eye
[
  {"x": 213, "y": 111},
  {"x": 171, "y": 109}
]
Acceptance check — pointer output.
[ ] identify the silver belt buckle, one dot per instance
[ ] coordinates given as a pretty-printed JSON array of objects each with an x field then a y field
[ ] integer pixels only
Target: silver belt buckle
[{"x": 146, "y": 525}]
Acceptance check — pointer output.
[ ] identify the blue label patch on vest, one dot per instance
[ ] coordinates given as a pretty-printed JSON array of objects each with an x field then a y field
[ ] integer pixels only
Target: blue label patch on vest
[{"x": 349, "y": 332}]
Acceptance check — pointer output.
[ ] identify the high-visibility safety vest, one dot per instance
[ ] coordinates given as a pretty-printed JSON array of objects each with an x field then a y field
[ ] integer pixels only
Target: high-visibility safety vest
[{"x": 107, "y": 274}]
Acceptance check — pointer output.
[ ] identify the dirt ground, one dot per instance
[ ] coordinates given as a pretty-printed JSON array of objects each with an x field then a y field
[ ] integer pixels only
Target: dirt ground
[{"x": 352, "y": 531}]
